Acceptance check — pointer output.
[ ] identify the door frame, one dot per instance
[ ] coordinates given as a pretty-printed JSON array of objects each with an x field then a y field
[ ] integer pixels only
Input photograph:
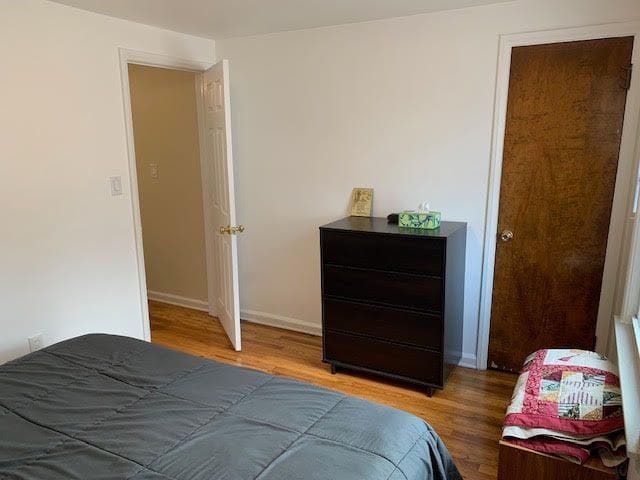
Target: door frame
[
  {"x": 625, "y": 186},
  {"x": 137, "y": 57}
]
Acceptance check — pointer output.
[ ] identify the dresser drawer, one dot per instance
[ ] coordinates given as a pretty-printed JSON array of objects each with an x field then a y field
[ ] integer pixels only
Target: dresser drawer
[
  {"x": 402, "y": 326},
  {"x": 389, "y": 288},
  {"x": 412, "y": 363},
  {"x": 384, "y": 252}
]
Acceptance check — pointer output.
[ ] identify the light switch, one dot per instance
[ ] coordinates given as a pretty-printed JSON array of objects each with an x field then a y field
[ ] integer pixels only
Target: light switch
[
  {"x": 116, "y": 185},
  {"x": 153, "y": 170}
]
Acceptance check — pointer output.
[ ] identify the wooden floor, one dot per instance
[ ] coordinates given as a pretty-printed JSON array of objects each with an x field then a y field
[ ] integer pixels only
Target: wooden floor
[{"x": 467, "y": 414}]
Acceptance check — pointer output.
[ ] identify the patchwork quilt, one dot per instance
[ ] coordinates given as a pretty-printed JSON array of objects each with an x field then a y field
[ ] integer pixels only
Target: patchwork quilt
[
  {"x": 107, "y": 407},
  {"x": 568, "y": 403}
]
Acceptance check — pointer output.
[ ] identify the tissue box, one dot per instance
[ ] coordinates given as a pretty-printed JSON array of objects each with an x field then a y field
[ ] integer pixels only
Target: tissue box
[{"x": 413, "y": 219}]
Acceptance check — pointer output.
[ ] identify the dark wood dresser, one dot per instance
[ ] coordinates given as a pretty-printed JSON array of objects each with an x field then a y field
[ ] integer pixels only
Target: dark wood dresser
[{"x": 393, "y": 298}]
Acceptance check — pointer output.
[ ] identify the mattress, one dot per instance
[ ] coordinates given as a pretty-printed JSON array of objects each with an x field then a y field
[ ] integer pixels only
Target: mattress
[{"x": 110, "y": 407}]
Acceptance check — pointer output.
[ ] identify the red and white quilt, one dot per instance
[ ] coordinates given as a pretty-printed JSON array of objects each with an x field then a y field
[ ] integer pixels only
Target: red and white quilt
[{"x": 568, "y": 403}]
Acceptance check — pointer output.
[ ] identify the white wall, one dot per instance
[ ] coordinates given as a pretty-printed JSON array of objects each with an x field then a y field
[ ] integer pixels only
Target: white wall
[
  {"x": 67, "y": 252},
  {"x": 403, "y": 105}
]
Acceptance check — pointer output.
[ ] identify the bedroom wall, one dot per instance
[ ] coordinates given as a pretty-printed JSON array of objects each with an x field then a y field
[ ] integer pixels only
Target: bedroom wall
[
  {"x": 165, "y": 128},
  {"x": 67, "y": 261},
  {"x": 403, "y": 105}
]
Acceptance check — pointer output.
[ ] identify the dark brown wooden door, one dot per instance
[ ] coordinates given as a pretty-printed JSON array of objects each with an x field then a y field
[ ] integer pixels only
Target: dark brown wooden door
[{"x": 563, "y": 127}]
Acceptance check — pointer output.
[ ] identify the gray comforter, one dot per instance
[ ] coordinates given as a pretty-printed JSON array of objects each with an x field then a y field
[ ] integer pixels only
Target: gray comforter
[{"x": 108, "y": 407}]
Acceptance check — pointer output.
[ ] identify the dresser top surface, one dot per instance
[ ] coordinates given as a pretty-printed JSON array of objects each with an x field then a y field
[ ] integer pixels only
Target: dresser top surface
[{"x": 380, "y": 225}]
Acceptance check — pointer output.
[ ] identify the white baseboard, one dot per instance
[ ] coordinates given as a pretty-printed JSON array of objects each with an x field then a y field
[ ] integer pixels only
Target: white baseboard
[
  {"x": 280, "y": 321},
  {"x": 468, "y": 360},
  {"x": 178, "y": 300}
]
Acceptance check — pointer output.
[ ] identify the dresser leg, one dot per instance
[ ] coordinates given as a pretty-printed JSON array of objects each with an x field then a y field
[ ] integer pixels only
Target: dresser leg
[
  {"x": 334, "y": 369},
  {"x": 429, "y": 392}
]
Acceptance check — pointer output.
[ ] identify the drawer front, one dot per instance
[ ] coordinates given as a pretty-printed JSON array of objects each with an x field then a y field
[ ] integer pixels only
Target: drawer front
[
  {"x": 402, "y": 326},
  {"x": 389, "y": 288},
  {"x": 385, "y": 357},
  {"x": 418, "y": 255}
]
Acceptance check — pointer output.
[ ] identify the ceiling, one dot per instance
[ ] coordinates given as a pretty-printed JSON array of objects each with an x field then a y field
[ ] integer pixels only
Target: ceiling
[{"x": 233, "y": 18}]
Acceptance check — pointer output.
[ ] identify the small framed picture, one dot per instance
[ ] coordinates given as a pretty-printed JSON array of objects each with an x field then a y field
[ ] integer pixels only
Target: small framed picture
[{"x": 361, "y": 200}]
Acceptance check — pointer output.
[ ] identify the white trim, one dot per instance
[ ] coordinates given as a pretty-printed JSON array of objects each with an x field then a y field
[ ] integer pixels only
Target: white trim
[
  {"x": 150, "y": 59},
  {"x": 178, "y": 300},
  {"x": 280, "y": 321},
  {"x": 630, "y": 299},
  {"x": 630, "y": 278},
  {"x": 623, "y": 189},
  {"x": 163, "y": 61},
  {"x": 629, "y": 370},
  {"x": 467, "y": 360}
]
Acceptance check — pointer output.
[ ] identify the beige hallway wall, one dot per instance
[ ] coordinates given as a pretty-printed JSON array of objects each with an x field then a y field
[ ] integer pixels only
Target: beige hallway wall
[{"x": 165, "y": 125}]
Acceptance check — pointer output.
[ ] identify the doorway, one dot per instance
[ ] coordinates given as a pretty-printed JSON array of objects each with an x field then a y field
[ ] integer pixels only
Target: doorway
[
  {"x": 212, "y": 98},
  {"x": 165, "y": 130},
  {"x": 564, "y": 118}
]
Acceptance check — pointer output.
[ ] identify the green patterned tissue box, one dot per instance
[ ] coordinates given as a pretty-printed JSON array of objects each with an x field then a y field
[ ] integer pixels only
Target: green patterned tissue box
[{"x": 413, "y": 219}]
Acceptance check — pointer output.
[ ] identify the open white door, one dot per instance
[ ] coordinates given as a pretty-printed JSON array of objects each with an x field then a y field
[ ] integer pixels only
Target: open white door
[{"x": 219, "y": 155}]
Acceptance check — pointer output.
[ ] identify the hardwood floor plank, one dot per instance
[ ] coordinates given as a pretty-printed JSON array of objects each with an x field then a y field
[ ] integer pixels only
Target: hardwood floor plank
[{"x": 467, "y": 414}]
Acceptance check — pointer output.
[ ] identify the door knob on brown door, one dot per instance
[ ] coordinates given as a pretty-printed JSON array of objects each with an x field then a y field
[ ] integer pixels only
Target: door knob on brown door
[
  {"x": 506, "y": 235},
  {"x": 232, "y": 230}
]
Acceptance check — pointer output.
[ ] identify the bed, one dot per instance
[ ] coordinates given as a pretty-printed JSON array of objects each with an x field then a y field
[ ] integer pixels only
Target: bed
[{"x": 111, "y": 407}]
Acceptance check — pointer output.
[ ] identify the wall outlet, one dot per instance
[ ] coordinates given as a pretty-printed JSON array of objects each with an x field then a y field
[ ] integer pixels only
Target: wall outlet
[
  {"x": 153, "y": 170},
  {"x": 36, "y": 342}
]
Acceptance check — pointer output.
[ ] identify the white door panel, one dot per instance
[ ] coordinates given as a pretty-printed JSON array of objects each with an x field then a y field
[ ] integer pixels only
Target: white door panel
[{"x": 220, "y": 156}]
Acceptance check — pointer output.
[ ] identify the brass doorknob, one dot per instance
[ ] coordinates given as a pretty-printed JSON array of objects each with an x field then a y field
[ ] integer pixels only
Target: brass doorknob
[
  {"x": 232, "y": 230},
  {"x": 506, "y": 235}
]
